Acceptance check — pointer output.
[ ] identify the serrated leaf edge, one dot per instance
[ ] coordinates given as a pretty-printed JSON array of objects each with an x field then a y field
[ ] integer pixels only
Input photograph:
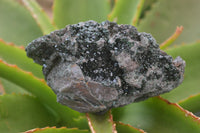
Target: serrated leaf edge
[
  {"x": 113, "y": 123},
  {"x": 29, "y": 73},
  {"x": 138, "y": 13},
  {"x": 184, "y": 100},
  {"x": 110, "y": 120},
  {"x": 186, "y": 112},
  {"x": 35, "y": 16},
  {"x": 121, "y": 123},
  {"x": 12, "y": 45},
  {"x": 41, "y": 129}
]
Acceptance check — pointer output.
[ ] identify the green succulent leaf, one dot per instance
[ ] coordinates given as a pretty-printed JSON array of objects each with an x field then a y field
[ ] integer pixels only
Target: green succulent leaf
[
  {"x": 74, "y": 11},
  {"x": 19, "y": 113},
  {"x": 124, "y": 11},
  {"x": 16, "y": 55},
  {"x": 2, "y": 88},
  {"x": 165, "y": 16},
  {"x": 57, "y": 130},
  {"x": 191, "y": 104},
  {"x": 10, "y": 87},
  {"x": 16, "y": 23},
  {"x": 126, "y": 128},
  {"x": 39, "y": 88},
  {"x": 157, "y": 115},
  {"x": 191, "y": 85},
  {"x": 40, "y": 16},
  {"x": 101, "y": 123},
  {"x": 148, "y": 4}
]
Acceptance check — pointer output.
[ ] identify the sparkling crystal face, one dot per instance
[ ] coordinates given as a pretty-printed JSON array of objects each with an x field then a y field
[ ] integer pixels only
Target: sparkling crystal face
[{"x": 93, "y": 67}]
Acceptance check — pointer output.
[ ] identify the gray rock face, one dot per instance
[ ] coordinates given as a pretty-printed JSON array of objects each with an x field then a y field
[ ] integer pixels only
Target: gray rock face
[{"x": 93, "y": 67}]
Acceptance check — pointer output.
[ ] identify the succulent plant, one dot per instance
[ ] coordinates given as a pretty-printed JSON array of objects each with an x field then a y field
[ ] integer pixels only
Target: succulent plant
[{"x": 129, "y": 64}]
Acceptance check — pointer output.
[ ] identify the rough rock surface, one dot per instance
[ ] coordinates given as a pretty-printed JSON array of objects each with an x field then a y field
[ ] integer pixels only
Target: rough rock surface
[{"x": 93, "y": 67}]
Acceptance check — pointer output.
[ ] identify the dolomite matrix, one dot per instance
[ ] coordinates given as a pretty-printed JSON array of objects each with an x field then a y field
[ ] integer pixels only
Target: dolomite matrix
[{"x": 93, "y": 67}]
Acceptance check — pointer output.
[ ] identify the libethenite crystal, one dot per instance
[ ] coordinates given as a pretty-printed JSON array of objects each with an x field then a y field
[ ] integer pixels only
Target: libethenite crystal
[{"x": 93, "y": 67}]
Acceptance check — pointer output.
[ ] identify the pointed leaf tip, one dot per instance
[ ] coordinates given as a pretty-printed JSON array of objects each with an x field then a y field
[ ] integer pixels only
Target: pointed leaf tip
[
  {"x": 172, "y": 38},
  {"x": 127, "y": 128}
]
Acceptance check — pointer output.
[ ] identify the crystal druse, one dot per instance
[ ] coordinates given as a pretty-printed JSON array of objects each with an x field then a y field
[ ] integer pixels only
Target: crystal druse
[{"x": 93, "y": 67}]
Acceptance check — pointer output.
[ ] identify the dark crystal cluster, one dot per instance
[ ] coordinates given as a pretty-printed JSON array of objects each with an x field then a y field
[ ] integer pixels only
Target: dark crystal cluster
[{"x": 93, "y": 67}]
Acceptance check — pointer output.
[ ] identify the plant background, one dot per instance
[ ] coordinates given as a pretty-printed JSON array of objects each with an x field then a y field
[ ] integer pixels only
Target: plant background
[{"x": 28, "y": 103}]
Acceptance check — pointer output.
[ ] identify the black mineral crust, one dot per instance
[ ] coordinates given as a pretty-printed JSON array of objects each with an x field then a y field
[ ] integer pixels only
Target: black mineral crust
[{"x": 93, "y": 67}]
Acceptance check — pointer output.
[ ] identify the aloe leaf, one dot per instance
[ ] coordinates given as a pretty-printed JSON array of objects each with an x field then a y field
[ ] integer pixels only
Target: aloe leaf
[
  {"x": 17, "y": 55},
  {"x": 28, "y": 113},
  {"x": 10, "y": 88},
  {"x": 39, "y": 88},
  {"x": 165, "y": 16},
  {"x": 191, "y": 104},
  {"x": 172, "y": 38},
  {"x": 73, "y": 11},
  {"x": 16, "y": 23},
  {"x": 157, "y": 115},
  {"x": 191, "y": 85},
  {"x": 101, "y": 123},
  {"x": 124, "y": 11},
  {"x": 146, "y": 7},
  {"x": 138, "y": 13},
  {"x": 40, "y": 16},
  {"x": 56, "y": 130},
  {"x": 126, "y": 128},
  {"x": 2, "y": 88}
]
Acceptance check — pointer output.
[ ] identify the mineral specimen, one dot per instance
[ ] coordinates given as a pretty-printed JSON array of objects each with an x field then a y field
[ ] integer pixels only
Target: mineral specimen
[{"x": 93, "y": 67}]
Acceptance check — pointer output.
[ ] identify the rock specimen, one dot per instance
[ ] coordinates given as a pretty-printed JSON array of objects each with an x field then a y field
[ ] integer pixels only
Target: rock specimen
[{"x": 93, "y": 67}]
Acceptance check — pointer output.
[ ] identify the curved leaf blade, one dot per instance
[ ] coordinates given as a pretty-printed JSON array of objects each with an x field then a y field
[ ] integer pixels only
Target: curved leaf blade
[
  {"x": 17, "y": 55},
  {"x": 28, "y": 113},
  {"x": 16, "y": 23},
  {"x": 165, "y": 16},
  {"x": 191, "y": 104},
  {"x": 138, "y": 13},
  {"x": 124, "y": 11},
  {"x": 56, "y": 130},
  {"x": 40, "y": 16},
  {"x": 172, "y": 38},
  {"x": 10, "y": 87},
  {"x": 157, "y": 115},
  {"x": 74, "y": 11},
  {"x": 126, "y": 128}
]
